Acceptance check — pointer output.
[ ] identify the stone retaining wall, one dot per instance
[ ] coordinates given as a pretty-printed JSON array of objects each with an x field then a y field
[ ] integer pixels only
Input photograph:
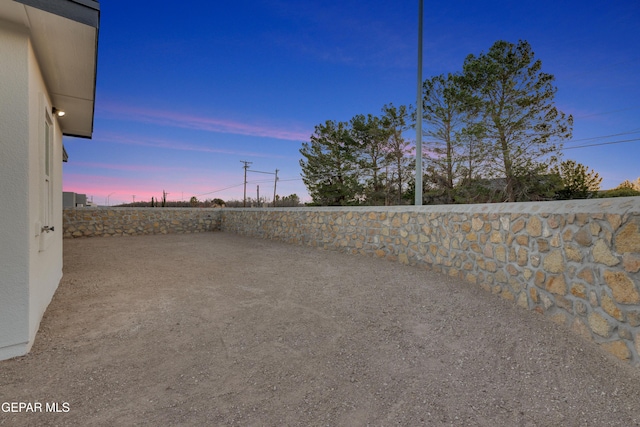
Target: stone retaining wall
[
  {"x": 95, "y": 222},
  {"x": 575, "y": 261}
]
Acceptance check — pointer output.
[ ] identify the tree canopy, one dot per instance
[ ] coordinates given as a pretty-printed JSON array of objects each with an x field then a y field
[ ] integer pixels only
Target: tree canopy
[
  {"x": 330, "y": 165},
  {"x": 578, "y": 182},
  {"x": 521, "y": 125},
  {"x": 492, "y": 133},
  {"x": 362, "y": 161},
  {"x": 452, "y": 144}
]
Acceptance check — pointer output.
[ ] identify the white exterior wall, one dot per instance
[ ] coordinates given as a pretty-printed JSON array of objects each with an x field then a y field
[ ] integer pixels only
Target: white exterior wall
[
  {"x": 14, "y": 181},
  {"x": 45, "y": 249},
  {"x": 28, "y": 275}
]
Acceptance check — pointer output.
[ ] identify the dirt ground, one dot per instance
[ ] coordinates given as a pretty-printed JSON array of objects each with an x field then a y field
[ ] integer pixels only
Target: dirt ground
[{"x": 216, "y": 329}]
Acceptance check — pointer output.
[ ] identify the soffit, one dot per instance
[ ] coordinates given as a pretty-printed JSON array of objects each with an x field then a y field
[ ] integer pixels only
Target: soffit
[{"x": 67, "y": 55}]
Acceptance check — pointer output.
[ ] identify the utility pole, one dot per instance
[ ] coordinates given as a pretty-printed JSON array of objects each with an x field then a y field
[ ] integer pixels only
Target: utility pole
[
  {"x": 418, "y": 189},
  {"x": 275, "y": 182},
  {"x": 134, "y": 198},
  {"x": 258, "y": 198},
  {"x": 246, "y": 166}
]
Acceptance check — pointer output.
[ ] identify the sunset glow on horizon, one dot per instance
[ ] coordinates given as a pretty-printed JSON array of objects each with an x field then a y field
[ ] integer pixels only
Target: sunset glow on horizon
[{"x": 184, "y": 98}]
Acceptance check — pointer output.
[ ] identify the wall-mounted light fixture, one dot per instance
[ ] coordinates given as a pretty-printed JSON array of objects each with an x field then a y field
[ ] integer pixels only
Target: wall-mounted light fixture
[{"x": 57, "y": 112}]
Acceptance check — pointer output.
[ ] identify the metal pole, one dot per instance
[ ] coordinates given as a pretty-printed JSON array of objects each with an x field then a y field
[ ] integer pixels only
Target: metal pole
[
  {"x": 244, "y": 198},
  {"x": 418, "y": 189},
  {"x": 275, "y": 182}
]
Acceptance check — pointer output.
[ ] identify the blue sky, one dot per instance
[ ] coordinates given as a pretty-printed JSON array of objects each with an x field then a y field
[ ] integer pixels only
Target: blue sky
[{"x": 188, "y": 90}]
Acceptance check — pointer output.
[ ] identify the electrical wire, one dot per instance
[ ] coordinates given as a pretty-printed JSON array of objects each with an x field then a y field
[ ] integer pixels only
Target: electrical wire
[
  {"x": 607, "y": 112},
  {"x": 602, "y": 143},
  {"x": 329, "y": 174},
  {"x": 217, "y": 191},
  {"x": 631, "y": 132}
]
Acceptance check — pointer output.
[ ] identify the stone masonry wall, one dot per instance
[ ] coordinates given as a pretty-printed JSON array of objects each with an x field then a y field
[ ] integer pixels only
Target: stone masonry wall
[
  {"x": 94, "y": 222},
  {"x": 576, "y": 261}
]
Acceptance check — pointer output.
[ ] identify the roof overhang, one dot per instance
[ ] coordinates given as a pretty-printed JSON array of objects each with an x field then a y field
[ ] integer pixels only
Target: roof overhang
[{"x": 64, "y": 35}]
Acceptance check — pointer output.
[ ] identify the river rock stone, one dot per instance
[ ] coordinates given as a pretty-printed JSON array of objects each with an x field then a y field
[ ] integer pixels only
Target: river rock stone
[
  {"x": 583, "y": 237},
  {"x": 534, "y": 227},
  {"x": 631, "y": 263},
  {"x": 599, "y": 325},
  {"x": 611, "y": 308},
  {"x": 556, "y": 285},
  {"x": 602, "y": 254},
  {"x": 623, "y": 289},
  {"x": 628, "y": 237},
  {"x": 554, "y": 262},
  {"x": 618, "y": 349}
]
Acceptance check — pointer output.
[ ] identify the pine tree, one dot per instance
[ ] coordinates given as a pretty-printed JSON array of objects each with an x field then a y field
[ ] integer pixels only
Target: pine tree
[
  {"x": 453, "y": 148},
  {"x": 521, "y": 124},
  {"x": 578, "y": 182},
  {"x": 398, "y": 150},
  {"x": 371, "y": 139},
  {"x": 329, "y": 165}
]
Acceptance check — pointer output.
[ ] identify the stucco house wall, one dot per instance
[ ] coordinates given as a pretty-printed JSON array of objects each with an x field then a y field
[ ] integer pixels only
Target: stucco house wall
[
  {"x": 47, "y": 59},
  {"x": 45, "y": 248},
  {"x": 14, "y": 185},
  {"x": 30, "y": 260}
]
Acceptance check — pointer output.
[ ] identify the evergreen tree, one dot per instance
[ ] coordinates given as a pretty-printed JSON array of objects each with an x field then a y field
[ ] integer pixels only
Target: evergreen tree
[
  {"x": 329, "y": 165},
  {"x": 371, "y": 139},
  {"x": 578, "y": 182},
  {"x": 520, "y": 122},
  {"x": 452, "y": 151},
  {"x": 399, "y": 172}
]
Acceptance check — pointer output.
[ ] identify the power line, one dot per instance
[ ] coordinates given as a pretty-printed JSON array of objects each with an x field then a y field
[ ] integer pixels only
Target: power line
[
  {"x": 217, "y": 191},
  {"x": 607, "y": 112},
  {"x": 270, "y": 173},
  {"x": 331, "y": 174},
  {"x": 602, "y": 143},
  {"x": 631, "y": 132},
  {"x": 258, "y": 181}
]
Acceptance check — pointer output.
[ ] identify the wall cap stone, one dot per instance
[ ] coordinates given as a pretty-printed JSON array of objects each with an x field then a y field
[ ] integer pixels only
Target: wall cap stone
[{"x": 614, "y": 205}]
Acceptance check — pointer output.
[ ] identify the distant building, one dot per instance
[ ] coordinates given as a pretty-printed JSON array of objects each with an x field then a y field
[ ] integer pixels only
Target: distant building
[
  {"x": 75, "y": 200},
  {"x": 48, "y": 60}
]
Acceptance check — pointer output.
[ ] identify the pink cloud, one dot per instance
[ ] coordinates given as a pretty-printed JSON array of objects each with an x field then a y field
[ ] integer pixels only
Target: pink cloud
[
  {"x": 209, "y": 124},
  {"x": 131, "y": 168},
  {"x": 173, "y": 145}
]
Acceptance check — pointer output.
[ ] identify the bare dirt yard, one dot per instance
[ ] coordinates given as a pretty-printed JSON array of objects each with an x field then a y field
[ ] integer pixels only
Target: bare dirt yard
[{"x": 221, "y": 330}]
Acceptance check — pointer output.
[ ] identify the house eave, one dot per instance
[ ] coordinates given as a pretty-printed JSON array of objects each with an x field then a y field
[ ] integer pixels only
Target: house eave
[
  {"x": 82, "y": 11},
  {"x": 64, "y": 35}
]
